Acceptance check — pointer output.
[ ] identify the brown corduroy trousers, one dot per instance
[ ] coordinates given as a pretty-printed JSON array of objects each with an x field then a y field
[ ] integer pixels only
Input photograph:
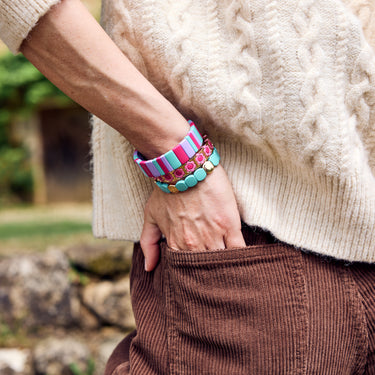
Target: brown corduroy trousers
[{"x": 266, "y": 309}]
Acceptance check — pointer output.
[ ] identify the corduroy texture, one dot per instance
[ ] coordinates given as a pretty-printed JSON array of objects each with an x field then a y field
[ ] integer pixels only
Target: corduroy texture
[
  {"x": 17, "y": 18},
  {"x": 264, "y": 309}
]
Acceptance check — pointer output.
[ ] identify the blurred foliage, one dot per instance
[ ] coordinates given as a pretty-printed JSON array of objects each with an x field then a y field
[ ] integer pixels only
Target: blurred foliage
[
  {"x": 90, "y": 368},
  {"x": 77, "y": 277},
  {"x": 15, "y": 335},
  {"x": 23, "y": 89},
  {"x": 15, "y": 175}
]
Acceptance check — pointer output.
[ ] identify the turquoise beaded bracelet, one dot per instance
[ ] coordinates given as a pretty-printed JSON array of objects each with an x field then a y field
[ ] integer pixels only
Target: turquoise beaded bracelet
[
  {"x": 190, "y": 166},
  {"x": 199, "y": 175}
]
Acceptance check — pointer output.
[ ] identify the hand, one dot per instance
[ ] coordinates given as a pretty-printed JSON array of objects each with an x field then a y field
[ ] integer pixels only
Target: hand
[{"x": 203, "y": 217}]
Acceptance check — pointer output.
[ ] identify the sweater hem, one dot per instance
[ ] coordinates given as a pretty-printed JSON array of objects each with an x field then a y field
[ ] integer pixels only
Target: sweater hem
[{"x": 313, "y": 212}]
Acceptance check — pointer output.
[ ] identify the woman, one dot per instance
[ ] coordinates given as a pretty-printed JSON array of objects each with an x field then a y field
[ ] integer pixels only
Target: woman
[{"x": 284, "y": 90}]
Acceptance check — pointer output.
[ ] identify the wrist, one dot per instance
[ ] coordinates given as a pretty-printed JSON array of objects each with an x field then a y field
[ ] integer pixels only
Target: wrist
[
  {"x": 182, "y": 167},
  {"x": 172, "y": 159},
  {"x": 169, "y": 132}
]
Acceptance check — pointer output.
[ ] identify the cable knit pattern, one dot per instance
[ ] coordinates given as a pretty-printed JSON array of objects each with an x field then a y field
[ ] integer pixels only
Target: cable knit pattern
[
  {"x": 311, "y": 57},
  {"x": 342, "y": 131},
  {"x": 286, "y": 91},
  {"x": 365, "y": 11},
  {"x": 215, "y": 65},
  {"x": 277, "y": 65},
  {"x": 246, "y": 73},
  {"x": 361, "y": 98},
  {"x": 180, "y": 26},
  {"x": 361, "y": 93}
]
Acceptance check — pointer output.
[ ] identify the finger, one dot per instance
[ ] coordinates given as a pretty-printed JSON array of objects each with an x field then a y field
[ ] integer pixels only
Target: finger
[
  {"x": 234, "y": 239},
  {"x": 198, "y": 242},
  {"x": 150, "y": 237},
  {"x": 195, "y": 237}
]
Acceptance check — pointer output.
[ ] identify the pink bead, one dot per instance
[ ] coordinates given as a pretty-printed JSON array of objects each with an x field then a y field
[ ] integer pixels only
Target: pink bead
[{"x": 181, "y": 154}]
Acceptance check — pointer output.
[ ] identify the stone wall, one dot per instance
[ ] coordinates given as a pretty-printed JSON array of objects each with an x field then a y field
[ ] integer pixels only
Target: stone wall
[{"x": 64, "y": 311}]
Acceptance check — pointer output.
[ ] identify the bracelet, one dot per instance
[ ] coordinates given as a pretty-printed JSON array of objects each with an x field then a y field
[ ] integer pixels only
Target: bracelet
[
  {"x": 174, "y": 158},
  {"x": 199, "y": 175},
  {"x": 189, "y": 167}
]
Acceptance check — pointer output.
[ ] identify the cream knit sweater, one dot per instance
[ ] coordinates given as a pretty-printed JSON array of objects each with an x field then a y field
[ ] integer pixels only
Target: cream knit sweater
[{"x": 286, "y": 91}]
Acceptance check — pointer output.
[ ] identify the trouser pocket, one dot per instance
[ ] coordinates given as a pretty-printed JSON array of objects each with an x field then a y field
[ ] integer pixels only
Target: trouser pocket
[
  {"x": 266, "y": 309},
  {"x": 240, "y": 311}
]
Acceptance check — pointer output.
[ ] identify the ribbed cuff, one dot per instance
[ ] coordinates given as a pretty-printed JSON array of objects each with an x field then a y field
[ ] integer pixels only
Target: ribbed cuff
[{"x": 17, "y": 18}]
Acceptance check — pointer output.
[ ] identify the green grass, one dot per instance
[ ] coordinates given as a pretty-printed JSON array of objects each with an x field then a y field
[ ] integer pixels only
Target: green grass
[
  {"x": 29, "y": 229},
  {"x": 47, "y": 230},
  {"x": 23, "y": 238}
]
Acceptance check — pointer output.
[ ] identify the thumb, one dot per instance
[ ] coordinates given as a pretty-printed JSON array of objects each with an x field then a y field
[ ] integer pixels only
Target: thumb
[{"x": 149, "y": 240}]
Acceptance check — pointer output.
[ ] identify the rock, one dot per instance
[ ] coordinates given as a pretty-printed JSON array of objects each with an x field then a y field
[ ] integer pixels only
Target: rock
[
  {"x": 15, "y": 362},
  {"x": 102, "y": 260},
  {"x": 55, "y": 356},
  {"x": 35, "y": 291},
  {"x": 88, "y": 320},
  {"x": 110, "y": 301},
  {"x": 105, "y": 349},
  {"x": 84, "y": 318}
]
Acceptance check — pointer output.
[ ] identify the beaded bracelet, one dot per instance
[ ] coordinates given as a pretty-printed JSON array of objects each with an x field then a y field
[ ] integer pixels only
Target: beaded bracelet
[
  {"x": 199, "y": 175},
  {"x": 189, "y": 167},
  {"x": 174, "y": 158}
]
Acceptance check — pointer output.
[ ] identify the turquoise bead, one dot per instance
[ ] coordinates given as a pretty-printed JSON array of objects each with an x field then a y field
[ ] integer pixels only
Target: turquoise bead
[
  {"x": 192, "y": 144},
  {"x": 197, "y": 134},
  {"x": 163, "y": 186},
  {"x": 214, "y": 158},
  {"x": 200, "y": 174},
  {"x": 181, "y": 186},
  {"x": 172, "y": 159},
  {"x": 191, "y": 180}
]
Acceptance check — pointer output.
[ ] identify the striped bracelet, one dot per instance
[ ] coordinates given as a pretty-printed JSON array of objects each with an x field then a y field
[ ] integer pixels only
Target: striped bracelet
[
  {"x": 199, "y": 175},
  {"x": 174, "y": 158},
  {"x": 189, "y": 167}
]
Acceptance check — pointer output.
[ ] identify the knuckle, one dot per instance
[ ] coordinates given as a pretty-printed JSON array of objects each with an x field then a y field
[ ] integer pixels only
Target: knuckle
[
  {"x": 189, "y": 240},
  {"x": 223, "y": 222},
  {"x": 190, "y": 243}
]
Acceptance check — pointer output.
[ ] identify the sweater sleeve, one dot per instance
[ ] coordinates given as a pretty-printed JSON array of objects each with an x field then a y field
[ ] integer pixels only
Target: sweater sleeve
[{"x": 17, "y": 18}]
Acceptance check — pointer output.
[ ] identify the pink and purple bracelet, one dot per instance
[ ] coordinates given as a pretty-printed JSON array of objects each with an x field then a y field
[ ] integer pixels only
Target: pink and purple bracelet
[
  {"x": 184, "y": 166},
  {"x": 174, "y": 158},
  {"x": 196, "y": 161}
]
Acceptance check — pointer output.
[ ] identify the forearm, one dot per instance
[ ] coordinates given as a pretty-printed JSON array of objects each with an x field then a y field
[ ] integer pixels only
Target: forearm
[{"x": 71, "y": 49}]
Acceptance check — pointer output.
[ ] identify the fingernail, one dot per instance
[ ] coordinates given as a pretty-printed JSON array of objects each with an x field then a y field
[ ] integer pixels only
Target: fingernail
[{"x": 146, "y": 268}]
